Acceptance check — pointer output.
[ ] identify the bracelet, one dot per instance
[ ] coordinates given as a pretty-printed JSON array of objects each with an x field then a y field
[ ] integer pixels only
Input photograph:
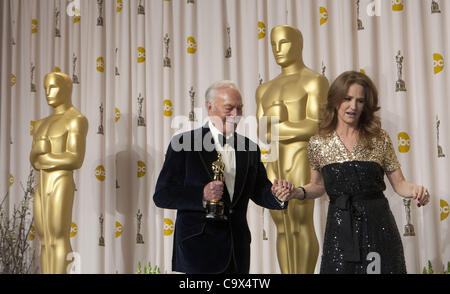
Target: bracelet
[{"x": 304, "y": 192}]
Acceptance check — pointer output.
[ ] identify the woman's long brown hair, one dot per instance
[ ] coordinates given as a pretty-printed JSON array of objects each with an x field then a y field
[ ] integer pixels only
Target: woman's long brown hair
[{"x": 369, "y": 124}]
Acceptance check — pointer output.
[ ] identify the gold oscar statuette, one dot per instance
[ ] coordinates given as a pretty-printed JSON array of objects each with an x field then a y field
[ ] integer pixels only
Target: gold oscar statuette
[
  {"x": 215, "y": 208},
  {"x": 291, "y": 103},
  {"x": 58, "y": 148}
]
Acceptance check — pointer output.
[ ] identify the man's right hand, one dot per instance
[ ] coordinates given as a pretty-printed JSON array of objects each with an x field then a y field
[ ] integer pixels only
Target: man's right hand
[{"x": 213, "y": 191}]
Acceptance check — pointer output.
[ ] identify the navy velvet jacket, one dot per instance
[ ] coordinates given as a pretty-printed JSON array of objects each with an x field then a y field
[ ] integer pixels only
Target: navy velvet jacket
[{"x": 202, "y": 245}]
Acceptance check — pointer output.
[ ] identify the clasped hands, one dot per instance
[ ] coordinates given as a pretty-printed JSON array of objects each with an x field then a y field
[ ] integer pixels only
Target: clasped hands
[{"x": 281, "y": 189}]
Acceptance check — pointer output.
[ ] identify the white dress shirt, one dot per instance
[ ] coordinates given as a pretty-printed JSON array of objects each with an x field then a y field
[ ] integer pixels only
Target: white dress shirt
[{"x": 228, "y": 158}]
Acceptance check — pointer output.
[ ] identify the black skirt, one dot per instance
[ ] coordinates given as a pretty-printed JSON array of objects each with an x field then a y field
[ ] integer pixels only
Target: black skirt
[{"x": 361, "y": 235}]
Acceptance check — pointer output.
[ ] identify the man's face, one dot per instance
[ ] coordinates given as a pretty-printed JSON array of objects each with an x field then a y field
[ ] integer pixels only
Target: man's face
[
  {"x": 225, "y": 109},
  {"x": 284, "y": 46}
]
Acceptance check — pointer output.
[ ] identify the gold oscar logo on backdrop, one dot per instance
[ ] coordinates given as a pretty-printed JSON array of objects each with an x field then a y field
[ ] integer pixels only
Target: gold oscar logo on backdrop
[
  {"x": 141, "y": 169},
  {"x": 438, "y": 63},
  {"x": 34, "y": 26},
  {"x": 264, "y": 156},
  {"x": 11, "y": 180},
  {"x": 100, "y": 173},
  {"x": 73, "y": 230},
  {"x": 323, "y": 15},
  {"x": 261, "y": 30},
  {"x": 191, "y": 45},
  {"x": 403, "y": 142},
  {"x": 32, "y": 127},
  {"x": 444, "y": 209},
  {"x": 168, "y": 109},
  {"x": 76, "y": 19},
  {"x": 13, "y": 80},
  {"x": 397, "y": 5},
  {"x": 57, "y": 69},
  {"x": 119, "y": 6},
  {"x": 100, "y": 64},
  {"x": 119, "y": 229},
  {"x": 31, "y": 237},
  {"x": 117, "y": 114},
  {"x": 141, "y": 54},
  {"x": 362, "y": 71},
  {"x": 168, "y": 227}
]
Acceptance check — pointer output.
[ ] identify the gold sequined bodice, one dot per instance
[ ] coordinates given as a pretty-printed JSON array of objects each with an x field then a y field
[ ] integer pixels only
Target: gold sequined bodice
[{"x": 327, "y": 149}]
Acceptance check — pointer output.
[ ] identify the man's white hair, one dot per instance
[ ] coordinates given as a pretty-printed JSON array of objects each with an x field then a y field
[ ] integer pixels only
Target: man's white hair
[{"x": 211, "y": 91}]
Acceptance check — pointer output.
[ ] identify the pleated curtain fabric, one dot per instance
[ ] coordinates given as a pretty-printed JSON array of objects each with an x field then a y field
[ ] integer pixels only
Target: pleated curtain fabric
[{"x": 140, "y": 69}]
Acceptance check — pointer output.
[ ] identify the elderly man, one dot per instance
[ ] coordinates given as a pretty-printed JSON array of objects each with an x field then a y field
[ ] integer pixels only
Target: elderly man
[{"x": 186, "y": 182}]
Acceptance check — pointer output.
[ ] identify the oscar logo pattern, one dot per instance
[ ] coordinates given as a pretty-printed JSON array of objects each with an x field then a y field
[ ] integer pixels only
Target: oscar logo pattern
[
  {"x": 119, "y": 229},
  {"x": 261, "y": 30},
  {"x": 32, "y": 122},
  {"x": 264, "y": 156},
  {"x": 73, "y": 230},
  {"x": 397, "y": 5},
  {"x": 168, "y": 109},
  {"x": 100, "y": 64},
  {"x": 119, "y": 6},
  {"x": 323, "y": 15},
  {"x": 34, "y": 26},
  {"x": 403, "y": 142},
  {"x": 141, "y": 54},
  {"x": 169, "y": 227},
  {"x": 31, "y": 237},
  {"x": 117, "y": 114},
  {"x": 100, "y": 173},
  {"x": 191, "y": 45},
  {"x": 141, "y": 169},
  {"x": 444, "y": 209},
  {"x": 438, "y": 63},
  {"x": 11, "y": 180}
]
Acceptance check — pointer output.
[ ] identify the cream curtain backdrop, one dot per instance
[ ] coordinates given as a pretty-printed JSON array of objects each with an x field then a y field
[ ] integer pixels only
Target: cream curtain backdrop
[{"x": 135, "y": 101}]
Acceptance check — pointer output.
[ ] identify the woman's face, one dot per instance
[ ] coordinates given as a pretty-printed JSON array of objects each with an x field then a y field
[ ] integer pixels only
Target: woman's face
[{"x": 352, "y": 106}]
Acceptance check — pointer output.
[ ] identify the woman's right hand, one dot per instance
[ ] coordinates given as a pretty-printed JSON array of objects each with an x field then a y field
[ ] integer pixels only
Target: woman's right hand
[{"x": 420, "y": 193}]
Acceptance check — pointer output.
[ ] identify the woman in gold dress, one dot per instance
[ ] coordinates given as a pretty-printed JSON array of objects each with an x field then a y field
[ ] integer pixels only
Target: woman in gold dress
[{"x": 348, "y": 160}]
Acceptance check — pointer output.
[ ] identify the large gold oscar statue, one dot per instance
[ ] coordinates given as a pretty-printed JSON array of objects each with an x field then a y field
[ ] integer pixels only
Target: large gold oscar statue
[
  {"x": 59, "y": 144},
  {"x": 295, "y": 97}
]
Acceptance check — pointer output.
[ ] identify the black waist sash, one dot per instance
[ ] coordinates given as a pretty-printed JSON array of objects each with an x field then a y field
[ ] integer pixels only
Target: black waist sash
[{"x": 350, "y": 241}]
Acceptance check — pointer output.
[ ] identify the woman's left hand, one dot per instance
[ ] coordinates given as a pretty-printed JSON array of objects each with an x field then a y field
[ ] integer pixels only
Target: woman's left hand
[{"x": 420, "y": 193}]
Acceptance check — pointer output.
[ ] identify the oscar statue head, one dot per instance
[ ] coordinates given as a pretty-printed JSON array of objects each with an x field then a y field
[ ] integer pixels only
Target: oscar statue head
[
  {"x": 287, "y": 45},
  {"x": 58, "y": 89}
]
